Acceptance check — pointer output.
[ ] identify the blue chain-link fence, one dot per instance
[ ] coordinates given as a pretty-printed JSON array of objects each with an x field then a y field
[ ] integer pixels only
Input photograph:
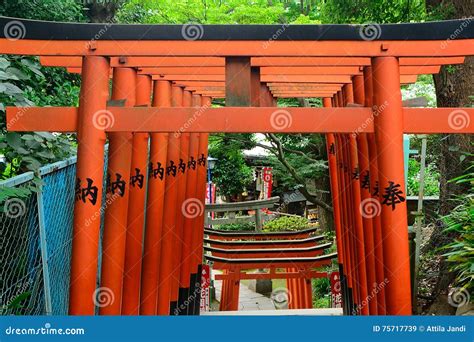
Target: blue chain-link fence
[{"x": 35, "y": 240}]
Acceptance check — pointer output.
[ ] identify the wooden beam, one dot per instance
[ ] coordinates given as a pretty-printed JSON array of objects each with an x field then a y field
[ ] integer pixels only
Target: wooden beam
[
  {"x": 196, "y": 77},
  {"x": 311, "y": 70},
  {"x": 273, "y": 275},
  {"x": 306, "y": 78},
  {"x": 310, "y": 61},
  {"x": 218, "y": 48},
  {"x": 173, "y": 61},
  {"x": 243, "y": 120}
]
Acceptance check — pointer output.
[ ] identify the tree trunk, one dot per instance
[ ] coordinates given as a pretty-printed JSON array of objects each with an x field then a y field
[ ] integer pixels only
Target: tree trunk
[
  {"x": 326, "y": 219},
  {"x": 102, "y": 11},
  {"x": 454, "y": 86}
]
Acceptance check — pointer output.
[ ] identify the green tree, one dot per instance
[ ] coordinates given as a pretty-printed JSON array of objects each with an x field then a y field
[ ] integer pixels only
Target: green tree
[
  {"x": 204, "y": 12},
  {"x": 231, "y": 174},
  {"x": 370, "y": 11},
  {"x": 23, "y": 82},
  {"x": 52, "y": 10}
]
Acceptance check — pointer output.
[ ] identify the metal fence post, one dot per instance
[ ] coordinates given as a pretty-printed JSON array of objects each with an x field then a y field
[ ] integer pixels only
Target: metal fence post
[{"x": 44, "y": 252}]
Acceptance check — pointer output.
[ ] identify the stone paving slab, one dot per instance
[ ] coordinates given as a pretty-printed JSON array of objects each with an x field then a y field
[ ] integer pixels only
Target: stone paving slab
[
  {"x": 282, "y": 312},
  {"x": 248, "y": 300}
]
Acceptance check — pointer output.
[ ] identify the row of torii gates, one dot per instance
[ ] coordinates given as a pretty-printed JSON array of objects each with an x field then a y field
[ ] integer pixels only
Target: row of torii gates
[
  {"x": 163, "y": 82},
  {"x": 290, "y": 255}
]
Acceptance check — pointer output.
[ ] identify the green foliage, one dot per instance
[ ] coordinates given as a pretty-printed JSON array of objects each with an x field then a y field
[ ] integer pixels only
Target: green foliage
[
  {"x": 304, "y": 19},
  {"x": 322, "y": 302},
  {"x": 371, "y": 11},
  {"x": 18, "y": 302},
  {"x": 321, "y": 293},
  {"x": 53, "y": 10},
  {"x": 231, "y": 174},
  {"x": 431, "y": 179},
  {"x": 424, "y": 87},
  {"x": 248, "y": 226},
  {"x": 203, "y": 12},
  {"x": 321, "y": 286},
  {"x": 20, "y": 192},
  {"x": 24, "y": 84},
  {"x": 286, "y": 223},
  {"x": 460, "y": 222},
  {"x": 443, "y": 11},
  {"x": 307, "y": 156}
]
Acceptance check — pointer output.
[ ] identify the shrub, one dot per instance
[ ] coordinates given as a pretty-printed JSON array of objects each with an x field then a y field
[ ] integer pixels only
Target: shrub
[
  {"x": 286, "y": 223},
  {"x": 321, "y": 293},
  {"x": 460, "y": 222},
  {"x": 236, "y": 226}
]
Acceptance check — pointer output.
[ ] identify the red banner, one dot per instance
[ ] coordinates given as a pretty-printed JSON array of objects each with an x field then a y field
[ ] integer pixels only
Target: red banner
[
  {"x": 267, "y": 177},
  {"x": 336, "y": 293},
  {"x": 205, "y": 287}
]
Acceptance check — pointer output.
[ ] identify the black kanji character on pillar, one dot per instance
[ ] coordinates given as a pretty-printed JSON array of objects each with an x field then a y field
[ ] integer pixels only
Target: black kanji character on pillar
[
  {"x": 181, "y": 166},
  {"x": 376, "y": 189},
  {"x": 393, "y": 195},
  {"x": 202, "y": 160},
  {"x": 171, "y": 169},
  {"x": 192, "y": 163},
  {"x": 89, "y": 192},
  {"x": 118, "y": 185},
  {"x": 332, "y": 149},
  {"x": 137, "y": 178},
  {"x": 158, "y": 172},
  {"x": 355, "y": 173},
  {"x": 365, "y": 182}
]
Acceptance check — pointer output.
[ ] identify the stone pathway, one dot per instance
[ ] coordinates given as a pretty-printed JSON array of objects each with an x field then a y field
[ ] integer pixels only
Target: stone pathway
[
  {"x": 248, "y": 300},
  {"x": 256, "y": 304}
]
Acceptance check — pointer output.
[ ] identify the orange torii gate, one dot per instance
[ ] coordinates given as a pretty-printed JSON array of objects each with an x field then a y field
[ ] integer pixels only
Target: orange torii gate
[
  {"x": 295, "y": 251},
  {"x": 357, "y": 75},
  {"x": 300, "y": 271}
]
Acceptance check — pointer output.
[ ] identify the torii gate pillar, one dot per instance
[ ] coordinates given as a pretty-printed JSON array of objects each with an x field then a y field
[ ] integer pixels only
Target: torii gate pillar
[
  {"x": 89, "y": 180},
  {"x": 388, "y": 126}
]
